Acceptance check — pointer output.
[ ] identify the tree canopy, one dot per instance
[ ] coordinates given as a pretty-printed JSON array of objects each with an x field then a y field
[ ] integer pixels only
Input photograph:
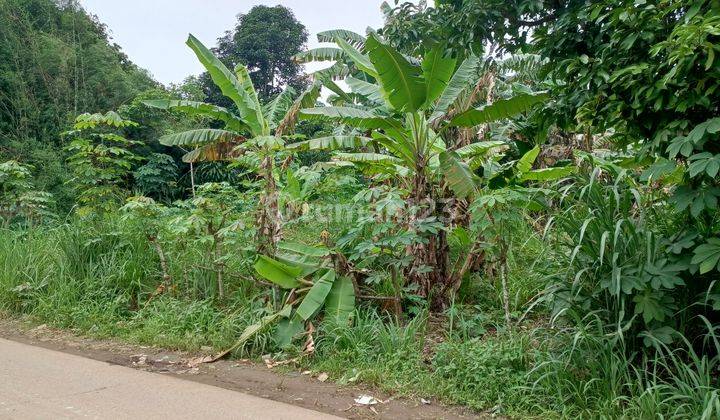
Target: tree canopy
[{"x": 264, "y": 40}]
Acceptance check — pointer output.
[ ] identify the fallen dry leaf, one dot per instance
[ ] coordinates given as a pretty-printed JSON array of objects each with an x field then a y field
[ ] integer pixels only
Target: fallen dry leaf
[
  {"x": 310, "y": 342},
  {"x": 322, "y": 377},
  {"x": 269, "y": 363},
  {"x": 139, "y": 359},
  {"x": 196, "y": 361},
  {"x": 366, "y": 400}
]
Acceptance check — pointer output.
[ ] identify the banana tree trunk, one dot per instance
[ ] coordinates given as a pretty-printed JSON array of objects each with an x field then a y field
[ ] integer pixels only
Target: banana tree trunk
[
  {"x": 429, "y": 267},
  {"x": 458, "y": 210},
  {"x": 269, "y": 230}
]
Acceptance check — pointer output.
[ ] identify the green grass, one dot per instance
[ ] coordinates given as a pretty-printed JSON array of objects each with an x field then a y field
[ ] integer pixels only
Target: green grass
[{"x": 97, "y": 279}]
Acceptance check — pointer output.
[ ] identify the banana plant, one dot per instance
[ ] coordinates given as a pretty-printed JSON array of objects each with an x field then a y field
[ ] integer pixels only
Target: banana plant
[
  {"x": 408, "y": 107},
  {"x": 316, "y": 283},
  {"x": 248, "y": 128},
  {"x": 343, "y": 68}
]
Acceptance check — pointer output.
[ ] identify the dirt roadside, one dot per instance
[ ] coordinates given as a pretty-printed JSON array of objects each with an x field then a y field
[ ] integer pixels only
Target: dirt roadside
[{"x": 302, "y": 389}]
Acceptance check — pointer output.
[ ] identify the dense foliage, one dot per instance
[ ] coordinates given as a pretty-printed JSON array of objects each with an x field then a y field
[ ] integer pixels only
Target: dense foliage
[
  {"x": 509, "y": 205},
  {"x": 56, "y": 62}
]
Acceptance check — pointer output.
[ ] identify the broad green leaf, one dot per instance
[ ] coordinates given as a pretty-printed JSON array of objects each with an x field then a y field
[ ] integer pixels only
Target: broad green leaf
[
  {"x": 240, "y": 92},
  {"x": 367, "y": 90},
  {"x": 287, "y": 330},
  {"x": 649, "y": 305},
  {"x": 402, "y": 82},
  {"x": 340, "y": 303},
  {"x": 499, "y": 110},
  {"x": 437, "y": 71},
  {"x": 366, "y": 157},
  {"x": 698, "y": 200},
  {"x": 354, "y": 117},
  {"x": 663, "y": 275},
  {"x": 398, "y": 146},
  {"x": 308, "y": 97},
  {"x": 307, "y": 265},
  {"x": 660, "y": 170},
  {"x": 705, "y": 162},
  {"x": 460, "y": 81},
  {"x": 337, "y": 71},
  {"x": 198, "y": 137},
  {"x": 654, "y": 338},
  {"x": 315, "y": 298},
  {"x": 527, "y": 160},
  {"x": 480, "y": 148},
  {"x": 331, "y": 143},
  {"x": 328, "y": 82},
  {"x": 231, "y": 121},
  {"x": 277, "y": 108},
  {"x": 462, "y": 181},
  {"x": 251, "y": 98},
  {"x": 362, "y": 62},
  {"x": 350, "y": 37},
  {"x": 253, "y": 329},
  {"x": 548, "y": 174},
  {"x": 319, "y": 54},
  {"x": 284, "y": 275},
  {"x": 302, "y": 249},
  {"x": 708, "y": 255}
]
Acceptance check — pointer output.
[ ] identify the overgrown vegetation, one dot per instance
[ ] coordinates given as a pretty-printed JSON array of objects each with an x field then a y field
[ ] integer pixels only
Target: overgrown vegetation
[{"x": 522, "y": 220}]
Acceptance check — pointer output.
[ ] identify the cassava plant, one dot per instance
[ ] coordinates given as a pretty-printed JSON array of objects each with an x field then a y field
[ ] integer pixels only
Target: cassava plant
[
  {"x": 101, "y": 161},
  {"x": 503, "y": 198},
  {"x": 213, "y": 222},
  {"x": 17, "y": 195},
  {"x": 147, "y": 216},
  {"x": 157, "y": 177}
]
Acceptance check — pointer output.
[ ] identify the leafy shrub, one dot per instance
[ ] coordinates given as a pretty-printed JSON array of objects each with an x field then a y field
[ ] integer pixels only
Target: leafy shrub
[
  {"x": 17, "y": 195},
  {"x": 628, "y": 264},
  {"x": 157, "y": 178}
]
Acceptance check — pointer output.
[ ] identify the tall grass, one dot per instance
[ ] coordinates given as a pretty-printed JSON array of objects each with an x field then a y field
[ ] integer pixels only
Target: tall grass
[
  {"x": 590, "y": 374},
  {"x": 100, "y": 280}
]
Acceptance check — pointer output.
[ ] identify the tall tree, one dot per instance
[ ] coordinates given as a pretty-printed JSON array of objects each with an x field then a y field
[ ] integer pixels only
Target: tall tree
[
  {"x": 56, "y": 62},
  {"x": 264, "y": 40}
]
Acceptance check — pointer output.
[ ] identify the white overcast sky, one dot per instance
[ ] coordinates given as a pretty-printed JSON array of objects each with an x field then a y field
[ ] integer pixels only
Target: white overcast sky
[{"x": 153, "y": 32}]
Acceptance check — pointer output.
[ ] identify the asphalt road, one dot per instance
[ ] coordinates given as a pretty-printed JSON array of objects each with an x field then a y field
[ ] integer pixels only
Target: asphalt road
[{"x": 36, "y": 383}]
